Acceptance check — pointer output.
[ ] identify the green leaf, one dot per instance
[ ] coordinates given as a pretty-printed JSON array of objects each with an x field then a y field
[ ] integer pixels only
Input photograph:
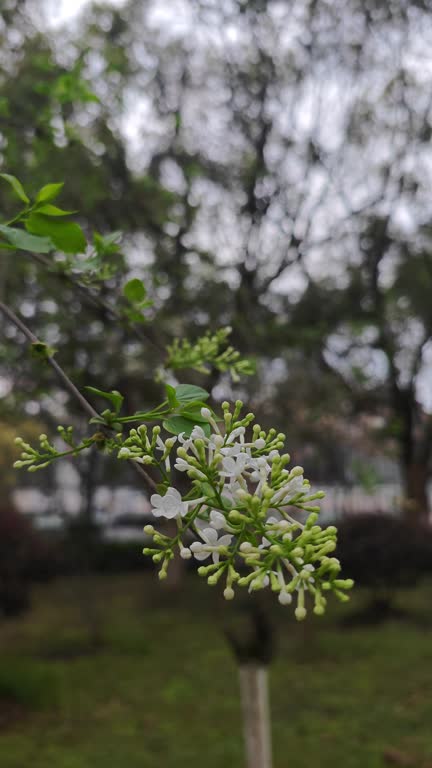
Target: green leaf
[
  {"x": 135, "y": 291},
  {"x": 49, "y": 192},
  {"x": 66, "y": 235},
  {"x": 107, "y": 244},
  {"x": 16, "y": 186},
  {"x": 193, "y": 414},
  {"x": 171, "y": 396},
  {"x": 52, "y": 210},
  {"x": 188, "y": 393},
  {"x": 25, "y": 242},
  {"x": 96, "y": 420},
  {"x": 114, "y": 397},
  {"x": 178, "y": 424},
  {"x": 42, "y": 351}
]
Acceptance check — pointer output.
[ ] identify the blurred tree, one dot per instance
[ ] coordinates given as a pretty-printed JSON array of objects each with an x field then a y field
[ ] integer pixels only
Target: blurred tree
[{"x": 270, "y": 161}]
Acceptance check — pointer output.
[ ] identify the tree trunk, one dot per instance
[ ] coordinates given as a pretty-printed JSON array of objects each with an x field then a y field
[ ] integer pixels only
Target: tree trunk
[
  {"x": 256, "y": 715},
  {"x": 416, "y": 502},
  {"x": 253, "y": 648}
]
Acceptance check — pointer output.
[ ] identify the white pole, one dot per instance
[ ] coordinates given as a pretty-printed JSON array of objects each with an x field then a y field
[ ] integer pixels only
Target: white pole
[{"x": 254, "y": 692}]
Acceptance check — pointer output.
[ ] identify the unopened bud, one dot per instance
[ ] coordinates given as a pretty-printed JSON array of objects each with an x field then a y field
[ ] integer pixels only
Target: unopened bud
[
  {"x": 149, "y": 529},
  {"x": 284, "y": 597}
]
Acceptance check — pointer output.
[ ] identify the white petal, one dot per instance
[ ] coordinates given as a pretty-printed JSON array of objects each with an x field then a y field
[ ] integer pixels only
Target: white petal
[
  {"x": 173, "y": 493},
  {"x": 209, "y": 535},
  {"x": 264, "y": 543},
  {"x": 156, "y": 500},
  {"x": 198, "y": 433},
  {"x": 218, "y": 520},
  {"x": 170, "y": 515},
  {"x": 201, "y": 555}
]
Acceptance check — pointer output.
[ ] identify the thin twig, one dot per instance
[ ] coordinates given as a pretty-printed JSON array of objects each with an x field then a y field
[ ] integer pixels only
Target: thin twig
[{"x": 65, "y": 380}]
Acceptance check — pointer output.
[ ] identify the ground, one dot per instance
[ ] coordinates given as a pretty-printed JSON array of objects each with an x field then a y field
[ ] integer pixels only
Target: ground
[{"x": 161, "y": 690}]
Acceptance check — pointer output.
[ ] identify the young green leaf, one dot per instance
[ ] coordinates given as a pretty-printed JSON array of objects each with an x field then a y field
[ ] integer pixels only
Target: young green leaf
[
  {"x": 171, "y": 396},
  {"x": 114, "y": 397},
  {"x": 66, "y": 235},
  {"x": 107, "y": 244},
  {"x": 178, "y": 424},
  {"x": 19, "y": 238},
  {"x": 193, "y": 414},
  {"x": 188, "y": 393},
  {"x": 42, "y": 351},
  {"x": 135, "y": 291},
  {"x": 49, "y": 192},
  {"x": 52, "y": 210},
  {"x": 16, "y": 186}
]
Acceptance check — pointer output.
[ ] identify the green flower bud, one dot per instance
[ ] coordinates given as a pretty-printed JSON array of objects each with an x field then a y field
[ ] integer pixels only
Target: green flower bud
[
  {"x": 149, "y": 529},
  {"x": 300, "y": 613}
]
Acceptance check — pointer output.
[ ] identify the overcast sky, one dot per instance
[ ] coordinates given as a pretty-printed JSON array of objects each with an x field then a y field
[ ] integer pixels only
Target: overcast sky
[{"x": 60, "y": 11}]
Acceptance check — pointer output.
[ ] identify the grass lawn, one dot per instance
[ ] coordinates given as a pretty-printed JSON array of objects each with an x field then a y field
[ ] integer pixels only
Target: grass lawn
[{"x": 162, "y": 689}]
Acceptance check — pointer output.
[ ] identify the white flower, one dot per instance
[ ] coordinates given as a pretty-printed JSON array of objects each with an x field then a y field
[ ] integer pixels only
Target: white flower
[
  {"x": 292, "y": 488},
  {"x": 232, "y": 450},
  {"x": 237, "y": 432},
  {"x": 261, "y": 469},
  {"x": 181, "y": 465},
  {"x": 198, "y": 433},
  {"x": 169, "y": 506},
  {"x": 217, "y": 521},
  {"x": 233, "y": 467},
  {"x": 211, "y": 544}
]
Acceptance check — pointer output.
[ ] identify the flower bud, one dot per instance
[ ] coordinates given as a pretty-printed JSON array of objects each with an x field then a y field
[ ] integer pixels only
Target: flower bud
[
  {"x": 284, "y": 597},
  {"x": 149, "y": 529},
  {"x": 124, "y": 453},
  {"x": 296, "y": 471}
]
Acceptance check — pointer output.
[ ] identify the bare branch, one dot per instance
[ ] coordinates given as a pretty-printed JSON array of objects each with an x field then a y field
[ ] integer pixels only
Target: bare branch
[{"x": 66, "y": 381}]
